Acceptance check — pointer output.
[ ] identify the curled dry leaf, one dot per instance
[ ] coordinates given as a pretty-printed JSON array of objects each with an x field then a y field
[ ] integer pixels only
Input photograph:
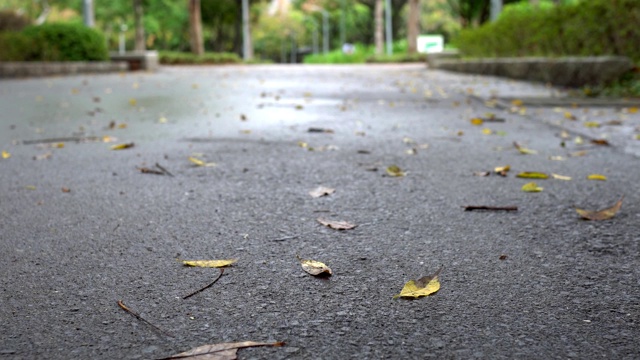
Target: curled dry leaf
[
  {"x": 199, "y": 162},
  {"x": 209, "y": 263},
  {"x": 395, "y": 171},
  {"x": 321, "y": 191},
  {"x": 561, "y": 177},
  {"x": 66, "y": 189},
  {"x": 337, "y": 225},
  {"x": 524, "y": 150},
  {"x": 532, "y": 175},
  {"x": 424, "y": 286},
  {"x": 315, "y": 268},
  {"x": 603, "y": 142},
  {"x": 223, "y": 351},
  {"x": 502, "y": 170},
  {"x": 122, "y": 146},
  {"x": 531, "y": 187},
  {"x": 597, "y": 177},
  {"x": 604, "y": 214}
]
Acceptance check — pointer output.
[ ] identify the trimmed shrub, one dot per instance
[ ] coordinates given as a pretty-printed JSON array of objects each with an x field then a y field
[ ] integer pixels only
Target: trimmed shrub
[
  {"x": 594, "y": 27},
  {"x": 180, "y": 58},
  {"x": 15, "y": 46},
  {"x": 65, "y": 42}
]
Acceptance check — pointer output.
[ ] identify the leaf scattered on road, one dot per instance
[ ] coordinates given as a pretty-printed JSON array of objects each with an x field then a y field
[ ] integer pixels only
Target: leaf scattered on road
[
  {"x": 597, "y": 177},
  {"x": 337, "y": 225},
  {"x": 222, "y": 351},
  {"x": 122, "y": 146},
  {"x": 603, "y": 214},
  {"x": 560, "y": 177},
  {"x": 532, "y": 175},
  {"x": 209, "y": 263},
  {"x": 199, "y": 162},
  {"x": 5, "y": 154},
  {"x": 315, "y": 268},
  {"x": 424, "y": 286},
  {"x": 321, "y": 191},
  {"x": 524, "y": 150},
  {"x": 395, "y": 171},
  {"x": 531, "y": 187}
]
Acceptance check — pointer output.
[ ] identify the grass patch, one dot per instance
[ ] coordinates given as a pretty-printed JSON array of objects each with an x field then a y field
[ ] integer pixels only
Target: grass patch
[{"x": 181, "y": 58}]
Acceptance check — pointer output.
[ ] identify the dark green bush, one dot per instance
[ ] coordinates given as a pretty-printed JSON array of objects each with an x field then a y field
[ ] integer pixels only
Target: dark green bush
[
  {"x": 594, "y": 27},
  {"x": 180, "y": 58},
  {"x": 15, "y": 46},
  {"x": 65, "y": 42}
]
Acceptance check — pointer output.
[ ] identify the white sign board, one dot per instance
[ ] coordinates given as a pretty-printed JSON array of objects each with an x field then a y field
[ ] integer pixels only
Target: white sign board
[{"x": 430, "y": 43}]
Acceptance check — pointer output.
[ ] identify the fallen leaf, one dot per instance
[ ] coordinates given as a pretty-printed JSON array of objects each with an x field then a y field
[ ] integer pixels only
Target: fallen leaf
[
  {"x": 516, "y": 102},
  {"x": 531, "y": 187},
  {"x": 614, "y": 122},
  {"x": 66, "y": 189},
  {"x": 122, "y": 126},
  {"x": 5, "y": 154},
  {"x": 560, "y": 177},
  {"x": 578, "y": 140},
  {"x": 578, "y": 153},
  {"x": 162, "y": 120},
  {"x": 337, "y": 225},
  {"x": 524, "y": 150},
  {"x": 30, "y": 187},
  {"x": 245, "y": 131},
  {"x": 199, "y": 162},
  {"x": 108, "y": 139},
  {"x": 502, "y": 170},
  {"x": 564, "y": 134},
  {"x": 477, "y": 121},
  {"x": 321, "y": 191},
  {"x": 597, "y": 177},
  {"x": 122, "y": 146},
  {"x": 44, "y": 156},
  {"x": 556, "y": 158},
  {"x": 209, "y": 263},
  {"x": 412, "y": 151},
  {"x": 532, "y": 175},
  {"x": 408, "y": 140},
  {"x": 222, "y": 351},
  {"x": 632, "y": 110},
  {"x": 320, "y": 130},
  {"x": 487, "y": 131},
  {"x": 299, "y": 107},
  {"x": 243, "y": 117},
  {"x": 602, "y": 142},
  {"x": 503, "y": 257},
  {"x": 303, "y": 144},
  {"x": 482, "y": 173},
  {"x": 592, "y": 124},
  {"x": 603, "y": 214},
  {"x": 315, "y": 268},
  {"x": 133, "y": 102},
  {"x": 424, "y": 286},
  {"x": 569, "y": 116},
  {"x": 395, "y": 171}
]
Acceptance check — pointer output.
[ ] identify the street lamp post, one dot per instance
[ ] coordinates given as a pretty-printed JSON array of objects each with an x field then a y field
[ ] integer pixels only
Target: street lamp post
[{"x": 87, "y": 13}]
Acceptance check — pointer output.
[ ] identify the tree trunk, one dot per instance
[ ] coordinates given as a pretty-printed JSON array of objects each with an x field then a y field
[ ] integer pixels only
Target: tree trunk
[
  {"x": 195, "y": 27},
  {"x": 413, "y": 26},
  {"x": 138, "y": 14},
  {"x": 379, "y": 24}
]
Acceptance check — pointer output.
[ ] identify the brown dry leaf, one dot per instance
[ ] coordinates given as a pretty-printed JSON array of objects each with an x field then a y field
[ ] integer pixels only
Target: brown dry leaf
[
  {"x": 315, "y": 268},
  {"x": 222, "y": 351},
  {"x": 578, "y": 153},
  {"x": 603, "y": 214},
  {"x": 321, "y": 191},
  {"x": 603, "y": 142},
  {"x": 243, "y": 117},
  {"x": 122, "y": 146},
  {"x": 209, "y": 263},
  {"x": 66, "y": 190},
  {"x": 337, "y": 225}
]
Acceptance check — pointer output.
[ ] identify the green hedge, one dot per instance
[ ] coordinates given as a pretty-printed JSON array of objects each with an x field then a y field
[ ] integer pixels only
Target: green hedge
[
  {"x": 54, "y": 42},
  {"x": 593, "y": 27},
  {"x": 179, "y": 58}
]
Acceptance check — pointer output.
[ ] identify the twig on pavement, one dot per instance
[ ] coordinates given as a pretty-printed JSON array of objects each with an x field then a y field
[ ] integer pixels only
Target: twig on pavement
[
  {"x": 137, "y": 316},
  {"x": 206, "y": 287},
  {"x": 490, "y": 208}
]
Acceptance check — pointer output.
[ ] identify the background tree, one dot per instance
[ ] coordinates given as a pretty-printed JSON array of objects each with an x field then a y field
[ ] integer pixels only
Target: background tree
[
  {"x": 379, "y": 35},
  {"x": 195, "y": 28},
  {"x": 413, "y": 26},
  {"x": 140, "y": 44}
]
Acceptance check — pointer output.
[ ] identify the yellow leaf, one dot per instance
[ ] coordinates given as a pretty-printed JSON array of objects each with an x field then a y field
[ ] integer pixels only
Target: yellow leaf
[
  {"x": 337, "y": 225},
  {"x": 5, "y": 154},
  {"x": 299, "y": 107},
  {"x": 30, "y": 187},
  {"x": 315, "y": 268},
  {"x": 597, "y": 177},
  {"x": 122, "y": 126},
  {"x": 199, "y": 162},
  {"x": 108, "y": 139},
  {"x": 561, "y": 177},
  {"x": 303, "y": 144},
  {"x": 579, "y": 140},
  {"x": 223, "y": 351},
  {"x": 477, "y": 121},
  {"x": 604, "y": 214},
  {"x": 531, "y": 187},
  {"x": 569, "y": 116},
  {"x": 522, "y": 111},
  {"x": 592, "y": 124},
  {"x": 209, "y": 263},
  {"x": 632, "y": 110},
  {"x": 57, "y": 145},
  {"x": 524, "y": 150},
  {"x": 408, "y": 140},
  {"x": 163, "y": 120},
  {"x": 556, "y": 158},
  {"x": 637, "y": 136},
  {"x": 516, "y": 102},
  {"x": 133, "y": 102},
  {"x": 321, "y": 191},
  {"x": 424, "y": 286},
  {"x": 502, "y": 169},
  {"x": 395, "y": 171},
  {"x": 487, "y": 131},
  {"x": 532, "y": 175},
  {"x": 122, "y": 146}
]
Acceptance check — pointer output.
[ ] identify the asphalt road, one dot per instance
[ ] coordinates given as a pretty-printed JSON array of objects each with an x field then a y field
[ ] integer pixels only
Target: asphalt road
[{"x": 81, "y": 227}]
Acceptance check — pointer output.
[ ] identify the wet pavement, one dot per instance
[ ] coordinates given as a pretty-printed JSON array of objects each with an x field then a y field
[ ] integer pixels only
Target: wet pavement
[{"x": 82, "y": 227}]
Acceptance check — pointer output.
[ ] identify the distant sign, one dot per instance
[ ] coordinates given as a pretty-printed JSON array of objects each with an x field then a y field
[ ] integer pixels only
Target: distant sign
[{"x": 430, "y": 43}]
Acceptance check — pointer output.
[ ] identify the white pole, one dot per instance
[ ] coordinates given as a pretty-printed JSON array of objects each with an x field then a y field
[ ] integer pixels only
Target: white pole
[
  {"x": 388, "y": 26},
  {"x": 496, "y": 8},
  {"x": 87, "y": 13},
  {"x": 246, "y": 46}
]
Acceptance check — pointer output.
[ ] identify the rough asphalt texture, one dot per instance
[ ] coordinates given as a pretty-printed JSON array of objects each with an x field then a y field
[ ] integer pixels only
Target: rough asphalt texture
[{"x": 568, "y": 288}]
